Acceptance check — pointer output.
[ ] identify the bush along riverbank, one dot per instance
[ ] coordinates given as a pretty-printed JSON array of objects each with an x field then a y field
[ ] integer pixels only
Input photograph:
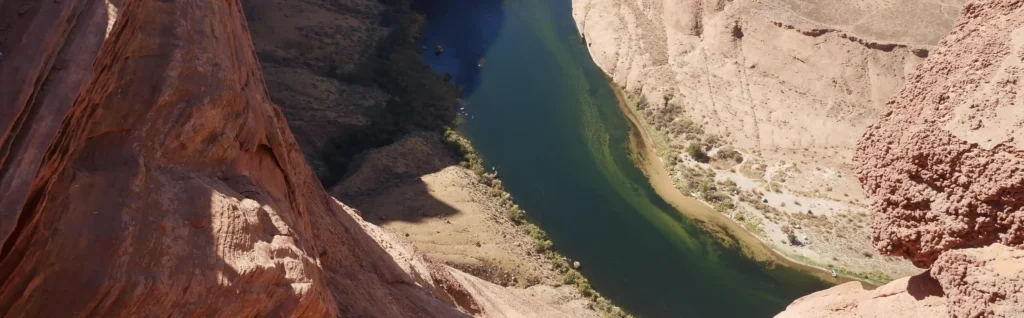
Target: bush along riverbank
[
  {"x": 738, "y": 184},
  {"x": 541, "y": 245}
]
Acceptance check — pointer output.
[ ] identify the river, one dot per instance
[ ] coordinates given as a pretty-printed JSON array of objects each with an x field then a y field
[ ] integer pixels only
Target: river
[{"x": 540, "y": 110}]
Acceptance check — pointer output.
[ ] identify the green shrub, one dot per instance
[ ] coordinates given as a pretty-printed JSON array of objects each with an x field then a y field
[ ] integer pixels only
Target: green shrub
[
  {"x": 541, "y": 246},
  {"x": 696, "y": 151},
  {"x": 571, "y": 278},
  {"x": 729, "y": 154},
  {"x": 516, "y": 215},
  {"x": 687, "y": 126}
]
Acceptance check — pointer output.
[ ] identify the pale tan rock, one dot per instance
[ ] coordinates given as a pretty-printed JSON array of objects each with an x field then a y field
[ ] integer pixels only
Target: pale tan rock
[{"x": 916, "y": 296}]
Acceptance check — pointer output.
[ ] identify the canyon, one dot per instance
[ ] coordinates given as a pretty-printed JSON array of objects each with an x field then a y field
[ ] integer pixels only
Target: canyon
[
  {"x": 290, "y": 158},
  {"x": 756, "y": 106},
  {"x": 821, "y": 100},
  {"x": 146, "y": 169}
]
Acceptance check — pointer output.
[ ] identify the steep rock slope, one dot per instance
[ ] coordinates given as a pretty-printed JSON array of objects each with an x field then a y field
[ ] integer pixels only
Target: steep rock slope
[
  {"x": 44, "y": 65},
  {"x": 776, "y": 92},
  {"x": 163, "y": 180},
  {"x": 173, "y": 184},
  {"x": 365, "y": 110},
  {"x": 943, "y": 167}
]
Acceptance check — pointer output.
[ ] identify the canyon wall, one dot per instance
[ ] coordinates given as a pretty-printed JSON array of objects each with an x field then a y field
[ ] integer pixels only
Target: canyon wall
[
  {"x": 784, "y": 88},
  {"x": 145, "y": 171},
  {"x": 942, "y": 167},
  {"x": 173, "y": 184}
]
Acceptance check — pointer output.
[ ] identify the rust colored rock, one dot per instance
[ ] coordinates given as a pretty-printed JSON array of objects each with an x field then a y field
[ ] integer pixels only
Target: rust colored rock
[
  {"x": 34, "y": 94},
  {"x": 983, "y": 282},
  {"x": 945, "y": 167},
  {"x": 171, "y": 183}
]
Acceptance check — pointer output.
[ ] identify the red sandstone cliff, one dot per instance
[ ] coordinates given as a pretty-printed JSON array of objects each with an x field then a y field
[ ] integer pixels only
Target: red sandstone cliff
[
  {"x": 154, "y": 175},
  {"x": 944, "y": 169}
]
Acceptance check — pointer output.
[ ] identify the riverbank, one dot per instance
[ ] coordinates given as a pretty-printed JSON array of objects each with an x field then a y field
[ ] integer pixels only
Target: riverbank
[
  {"x": 721, "y": 226},
  {"x": 742, "y": 128},
  {"x": 728, "y": 201},
  {"x": 765, "y": 140},
  {"x": 434, "y": 194},
  {"x": 543, "y": 114}
]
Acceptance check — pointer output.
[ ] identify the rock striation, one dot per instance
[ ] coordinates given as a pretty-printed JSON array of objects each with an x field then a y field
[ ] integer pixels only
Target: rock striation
[
  {"x": 144, "y": 170},
  {"x": 942, "y": 166}
]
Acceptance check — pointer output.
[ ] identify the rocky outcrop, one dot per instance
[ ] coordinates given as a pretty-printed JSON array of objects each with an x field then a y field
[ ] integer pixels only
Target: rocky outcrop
[
  {"x": 917, "y": 296},
  {"x": 174, "y": 185},
  {"x": 944, "y": 164},
  {"x": 145, "y": 171},
  {"x": 976, "y": 282},
  {"x": 983, "y": 282},
  {"x": 943, "y": 169}
]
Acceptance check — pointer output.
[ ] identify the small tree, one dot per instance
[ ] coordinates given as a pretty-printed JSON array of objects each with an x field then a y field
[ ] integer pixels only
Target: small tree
[
  {"x": 792, "y": 239},
  {"x": 696, "y": 151}
]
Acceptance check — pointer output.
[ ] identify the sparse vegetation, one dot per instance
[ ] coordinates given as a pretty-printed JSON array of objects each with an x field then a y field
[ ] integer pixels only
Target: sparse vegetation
[
  {"x": 542, "y": 245},
  {"x": 727, "y": 153},
  {"x": 686, "y": 138},
  {"x": 516, "y": 215}
]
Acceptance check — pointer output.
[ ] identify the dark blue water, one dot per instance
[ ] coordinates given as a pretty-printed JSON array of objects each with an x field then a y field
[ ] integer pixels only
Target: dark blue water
[{"x": 541, "y": 112}]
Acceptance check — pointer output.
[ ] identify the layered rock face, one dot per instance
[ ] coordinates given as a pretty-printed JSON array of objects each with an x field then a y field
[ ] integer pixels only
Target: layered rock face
[
  {"x": 145, "y": 172},
  {"x": 943, "y": 169}
]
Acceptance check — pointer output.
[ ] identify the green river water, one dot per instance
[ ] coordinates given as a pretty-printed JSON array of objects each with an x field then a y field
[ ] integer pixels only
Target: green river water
[{"x": 541, "y": 111}]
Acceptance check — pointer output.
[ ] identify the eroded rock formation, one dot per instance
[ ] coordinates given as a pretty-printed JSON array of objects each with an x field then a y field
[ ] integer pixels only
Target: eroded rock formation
[
  {"x": 943, "y": 167},
  {"x": 145, "y": 171},
  {"x": 173, "y": 184}
]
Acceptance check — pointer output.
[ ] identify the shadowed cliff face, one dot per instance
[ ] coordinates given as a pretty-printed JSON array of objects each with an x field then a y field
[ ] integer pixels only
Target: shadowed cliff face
[
  {"x": 170, "y": 183},
  {"x": 347, "y": 76}
]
